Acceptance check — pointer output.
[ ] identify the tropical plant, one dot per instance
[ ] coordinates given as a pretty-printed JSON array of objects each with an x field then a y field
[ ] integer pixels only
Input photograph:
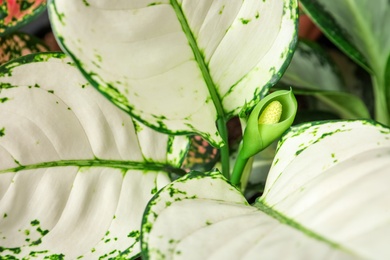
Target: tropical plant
[{"x": 89, "y": 175}]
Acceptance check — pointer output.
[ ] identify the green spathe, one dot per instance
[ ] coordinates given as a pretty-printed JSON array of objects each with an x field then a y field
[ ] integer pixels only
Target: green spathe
[{"x": 259, "y": 136}]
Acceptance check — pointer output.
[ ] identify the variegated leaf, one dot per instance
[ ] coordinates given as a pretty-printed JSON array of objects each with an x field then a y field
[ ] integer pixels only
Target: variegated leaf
[
  {"x": 179, "y": 65},
  {"x": 15, "y": 13},
  {"x": 326, "y": 197},
  {"x": 19, "y": 44},
  {"x": 314, "y": 73},
  {"x": 76, "y": 172},
  {"x": 359, "y": 28}
]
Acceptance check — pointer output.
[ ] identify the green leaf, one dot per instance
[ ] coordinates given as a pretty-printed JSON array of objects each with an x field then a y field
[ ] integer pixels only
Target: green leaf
[
  {"x": 312, "y": 68},
  {"x": 315, "y": 74},
  {"x": 178, "y": 66},
  {"x": 359, "y": 28},
  {"x": 76, "y": 172},
  {"x": 19, "y": 44},
  {"x": 14, "y": 14},
  {"x": 346, "y": 105},
  {"x": 326, "y": 197}
]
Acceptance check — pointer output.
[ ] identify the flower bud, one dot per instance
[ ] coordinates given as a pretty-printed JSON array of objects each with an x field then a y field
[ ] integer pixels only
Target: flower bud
[{"x": 271, "y": 117}]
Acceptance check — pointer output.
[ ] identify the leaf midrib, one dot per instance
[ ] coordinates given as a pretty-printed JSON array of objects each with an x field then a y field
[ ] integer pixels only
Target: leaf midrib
[
  {"x": 367, "y": 37},
  {"x": 199, "y": 58},
  {"x": 221, "y": 116},
  {"x": 117, "y": 164},
  {"x": 262, "y": 206}
]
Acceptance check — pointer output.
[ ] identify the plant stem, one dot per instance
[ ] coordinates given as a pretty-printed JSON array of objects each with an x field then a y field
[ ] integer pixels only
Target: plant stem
[
  {"x": 238, "y": 169},
  {"x": 225, "y": 161},
  {"x": 200, "y": 59},
  {"x": 381, "y": 106}
]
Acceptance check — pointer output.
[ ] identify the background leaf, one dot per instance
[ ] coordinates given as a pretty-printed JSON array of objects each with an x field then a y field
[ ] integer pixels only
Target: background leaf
[
  {"x": 76, "y": 172},
  {"x": 346, "y": 105},
  {"x": 16, "y": 13},
  {"x": 359, "y": 28},
  {"x": 312, "y": 68},
  {"x": 313, "y": 72},
  {"x": 179, "y": 65},
  {"x": 19, "y": 44},
  {"x": 326, "y": 196}
]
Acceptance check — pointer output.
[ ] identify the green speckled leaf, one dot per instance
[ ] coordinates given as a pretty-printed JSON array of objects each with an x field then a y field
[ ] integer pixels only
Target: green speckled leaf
[
  {"x": 19, "y": 44},
  {"x": 76, "y": 172},
  {"x": 360, "y": 28},
  {"x": 15, "y": 13},
  {"x": 326, "y": 197},
  {"x": 179, "y": 65}
]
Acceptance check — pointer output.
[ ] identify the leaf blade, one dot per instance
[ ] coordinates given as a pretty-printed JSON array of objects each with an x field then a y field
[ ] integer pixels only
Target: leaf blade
[
  {"x": 309, "y": 208},
  {"x": 148, "y": 66},
  {"x": 72, "y": 164}
]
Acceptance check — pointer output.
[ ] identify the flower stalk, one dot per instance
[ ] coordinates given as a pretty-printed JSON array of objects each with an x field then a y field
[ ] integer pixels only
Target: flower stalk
[{"x": 266, "y": 123}]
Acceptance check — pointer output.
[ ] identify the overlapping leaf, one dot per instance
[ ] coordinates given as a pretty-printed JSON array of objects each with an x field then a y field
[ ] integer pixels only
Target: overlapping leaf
[
  {"x": 76, "y": 172},
  {"x": 179, "y": 65},
  {"x": 15, "y": 13},
  {"x": 313, "y": 73},
  {"x": 359, "y": 28},
  {"x": 326, "y": 197}
]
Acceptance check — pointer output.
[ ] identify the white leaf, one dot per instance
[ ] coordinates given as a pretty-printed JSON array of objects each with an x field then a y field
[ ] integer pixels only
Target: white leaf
[
  {"x": 75, "y": 176},
  {"x": 179, "y": 65},
  {"x": 326, "y": 197}
]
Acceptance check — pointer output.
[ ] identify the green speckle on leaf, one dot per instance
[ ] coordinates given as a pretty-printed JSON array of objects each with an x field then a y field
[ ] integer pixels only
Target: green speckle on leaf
[
  {"x": 5, "y": 215},
  {"x": 36, "y": 242},
  {"x": 245, "y": 21},
  {"x": 55, "y": 257},
  {"x": 133, "y": 234},
  {"x": 42, "y": 232},
  {"x": 2, "y": 132},
  {"x": 3, "y": 100},
  {"x": 35, "y": 254},
  {"x": 221, "y": 10},
  {"x": 35, "y": 222},
  {"x": 154, "y": 3},
  {"x": 15, "y": 250},
  {"x": 51, "y": 91},
  {"x": 86, "y": 3}
]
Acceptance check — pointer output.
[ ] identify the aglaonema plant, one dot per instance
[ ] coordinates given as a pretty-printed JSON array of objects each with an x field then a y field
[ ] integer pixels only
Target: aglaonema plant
[
  {"x": 360, "y": 29},
  {"x": 83, "y": 175}
]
